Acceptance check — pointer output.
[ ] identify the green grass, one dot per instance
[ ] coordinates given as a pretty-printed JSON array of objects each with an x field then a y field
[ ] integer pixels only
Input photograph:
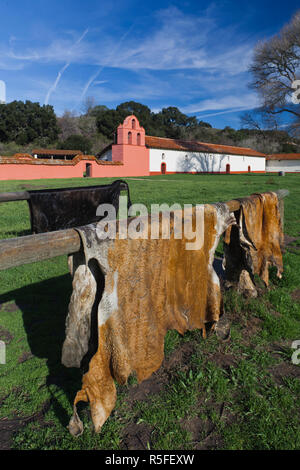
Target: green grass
[{"x": 241, "y": 394}]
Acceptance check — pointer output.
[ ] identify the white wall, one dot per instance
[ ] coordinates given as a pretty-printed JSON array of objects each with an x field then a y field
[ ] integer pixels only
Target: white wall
[
  {"x": 107, "y": 156},
  {"x": 283, "y": 165},
  {"x": 182, "y": 161}
]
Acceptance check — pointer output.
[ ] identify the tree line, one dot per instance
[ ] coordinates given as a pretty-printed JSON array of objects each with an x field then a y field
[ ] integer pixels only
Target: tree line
[
  {"x": 23, "y": 123},
  {"x": 27, "y": 125}
]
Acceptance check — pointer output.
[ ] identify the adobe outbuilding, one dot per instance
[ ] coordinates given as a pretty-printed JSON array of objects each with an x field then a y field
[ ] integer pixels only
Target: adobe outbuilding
[{"x": 287, "y": 162}]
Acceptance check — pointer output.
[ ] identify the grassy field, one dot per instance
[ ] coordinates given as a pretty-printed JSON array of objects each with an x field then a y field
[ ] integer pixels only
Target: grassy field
[{"x": 208, "y": 394}]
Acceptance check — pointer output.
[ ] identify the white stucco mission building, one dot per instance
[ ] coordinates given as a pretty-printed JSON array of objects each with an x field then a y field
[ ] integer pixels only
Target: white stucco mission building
[
  {"x": 161, "y": 155},
  {"x": 288, "y": 162}
]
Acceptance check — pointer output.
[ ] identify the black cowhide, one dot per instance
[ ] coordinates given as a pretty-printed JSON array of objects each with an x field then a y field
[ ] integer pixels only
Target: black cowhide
[{"x": 57, "y": 209}]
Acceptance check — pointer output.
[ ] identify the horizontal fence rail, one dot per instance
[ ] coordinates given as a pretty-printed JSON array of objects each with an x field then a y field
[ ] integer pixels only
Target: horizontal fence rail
[
  {"x": 17, "y": 196},
  {"x": 31, "y": 248},
  {"x": 25, "y": 196}
]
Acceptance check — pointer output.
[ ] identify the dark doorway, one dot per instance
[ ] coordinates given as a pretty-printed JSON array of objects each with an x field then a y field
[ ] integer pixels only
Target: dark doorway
[
  {"x": 163, "y": 168},
  {"x": 227, "y": 168},
  {"x": 88, "y": 170}
]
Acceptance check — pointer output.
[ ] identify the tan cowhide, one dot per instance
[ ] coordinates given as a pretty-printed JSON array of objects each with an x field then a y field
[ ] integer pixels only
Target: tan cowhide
[
  {"x": 254, "y": 244},
  {"x": 150, "y": 287}
]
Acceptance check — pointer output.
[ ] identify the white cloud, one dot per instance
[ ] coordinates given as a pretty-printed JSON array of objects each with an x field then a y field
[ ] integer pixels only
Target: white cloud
[
  {"x": 176, "y": 41},
  {"x": 178, "y": 58},
  {"x": 230, "y": 102}
]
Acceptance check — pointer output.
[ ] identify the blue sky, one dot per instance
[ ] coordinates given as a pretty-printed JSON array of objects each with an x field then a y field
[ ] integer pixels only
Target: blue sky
[{"x": 189, "y": 54}]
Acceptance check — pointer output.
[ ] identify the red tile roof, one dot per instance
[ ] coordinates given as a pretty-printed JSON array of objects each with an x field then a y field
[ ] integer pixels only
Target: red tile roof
[
  {"x": 25, "y": 159},
  {"x": 55, "y": 152},
  {"x": 284, "y": 156},
  {"x": 195, "y": 146}
]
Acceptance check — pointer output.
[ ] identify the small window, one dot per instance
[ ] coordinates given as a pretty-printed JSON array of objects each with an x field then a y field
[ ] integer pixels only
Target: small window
[
  {"x": 133, "y": 123},
  {"x": 138, "y": 139},
  {"x": 130, "y": 137},
  {"x": 162, "y": 156}
]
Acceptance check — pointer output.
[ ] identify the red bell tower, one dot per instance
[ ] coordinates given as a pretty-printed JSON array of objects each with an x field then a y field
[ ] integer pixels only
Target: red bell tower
[
  {"x": 130, "y": 132},
  {"x": 130, "y": 147}
]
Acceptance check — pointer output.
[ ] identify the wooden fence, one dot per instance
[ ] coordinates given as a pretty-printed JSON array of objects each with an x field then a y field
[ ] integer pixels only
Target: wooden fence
[{"x": 32, "y": 248}]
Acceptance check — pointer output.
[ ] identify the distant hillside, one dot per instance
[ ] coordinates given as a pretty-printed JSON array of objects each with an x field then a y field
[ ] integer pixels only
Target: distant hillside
[
  {"x": 95, "y": 128},
  {"x": 171, "y": 123},
  {"x": 262, "y": 141}
]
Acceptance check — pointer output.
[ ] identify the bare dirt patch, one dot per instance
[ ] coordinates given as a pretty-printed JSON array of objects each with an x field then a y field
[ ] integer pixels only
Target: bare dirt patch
[
  {"x": 279, "y": 348},
  {"x": 137, "y": 437},
  {"x": 284, "y": 370},
  {"x": 287, "y": 239},
  {"x": 25, "y": 356},
  {"x": 225, "y": 361},
  {"x": 250, "y": 327},
  {"x": 13, "y": 307},
  {"x": 275, "y": 313},
  {"x": 155, "y": 384},
  {"x": 204, "y": 432},
  {"x": 212, "y": 442},
  {"x": 292, "y": 244},
  {"x": 199, "y": 428},
  {"x": 179, "y": 359},
  {"x": 5, "y": 335},
  {"x": 296, "y": 295},
  {"x": 253, "y": 326},
  {"x": 10, "y": 427}
]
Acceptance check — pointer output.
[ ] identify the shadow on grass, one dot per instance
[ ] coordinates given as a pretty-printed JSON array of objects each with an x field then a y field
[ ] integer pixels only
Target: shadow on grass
[{"x": 44, "y": 307}]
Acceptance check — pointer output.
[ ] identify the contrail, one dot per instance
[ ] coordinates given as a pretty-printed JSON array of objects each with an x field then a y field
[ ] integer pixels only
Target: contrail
[
  {"x": 95, "y": 75},
  {"x": 232, "y": 110},
  {"x": 61, "y": 71},
  {"x": 53, "y": 87}
]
